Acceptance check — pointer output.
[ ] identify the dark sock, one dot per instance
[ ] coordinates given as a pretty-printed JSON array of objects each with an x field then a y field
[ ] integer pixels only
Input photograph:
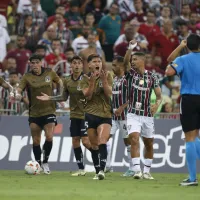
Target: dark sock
[
  {"x": 103, "y": 156},
  {"x": 95, "y": 159},
  {"x": 47, "y": 150},
  {"x": 37, "y": 153},
  {"x": 79, "y": 157}
]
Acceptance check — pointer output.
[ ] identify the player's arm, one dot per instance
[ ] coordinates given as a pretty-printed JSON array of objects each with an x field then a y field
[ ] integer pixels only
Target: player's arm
[
  {"x": 132, "y": 45},
  {"x": 177, "y": 51},
  {"x": 107, "y": 80},
  {"x": 119, "y": 111},
  {"x": 158, "y": 94},
  {"x": 88, "y": 85},
  {"x": 20, "y": 88}
]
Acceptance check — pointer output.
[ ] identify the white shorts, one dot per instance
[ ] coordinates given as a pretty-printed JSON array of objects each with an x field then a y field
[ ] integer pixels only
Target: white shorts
[
  {"x": 121, "y": 126},
  {"x": 140, "y": 124}
]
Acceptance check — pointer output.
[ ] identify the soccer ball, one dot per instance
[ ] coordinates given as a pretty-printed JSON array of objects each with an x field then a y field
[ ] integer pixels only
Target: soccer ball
[{"x": 32, "y": 167}]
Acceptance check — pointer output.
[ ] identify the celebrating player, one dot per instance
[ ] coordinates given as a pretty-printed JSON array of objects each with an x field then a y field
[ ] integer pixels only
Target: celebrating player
[
  {"x": 119, "y": 104},
  {"x": 140, "y": 119},
  {"x": 187, "y": 67},
  {"x": 41, "y": 114},
  {"x": 97, "y": 88},
  {"x": 77, "y": 100}
]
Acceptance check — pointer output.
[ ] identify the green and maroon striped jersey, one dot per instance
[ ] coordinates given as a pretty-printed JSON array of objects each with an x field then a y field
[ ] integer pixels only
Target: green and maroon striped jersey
[
  {"x": 139, "y": 91},
  {"x": 119, "y": 96}
]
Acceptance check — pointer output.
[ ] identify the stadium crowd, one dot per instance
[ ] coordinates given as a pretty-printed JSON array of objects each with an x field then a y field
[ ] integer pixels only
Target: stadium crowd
[{"x": 59, "y": 29}]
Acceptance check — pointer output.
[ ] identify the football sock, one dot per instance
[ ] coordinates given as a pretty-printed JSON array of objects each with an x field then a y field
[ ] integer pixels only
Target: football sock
[
  {"x": 37, "y": 153},
  {"x": 108, "y": 145},
  {"x": 197, "y": 145},
  {"x": 47, "y": 150},
  {"x": 95, "y": 159},
  {"x": 147, "y": 165},
  {"x": 136, "y": 165},
  {"x": 191, "y": 159},
  {"x": 103, "y": 156},
  {"x": 128, "y": 148},
  {"x": 79, "y": 157}
]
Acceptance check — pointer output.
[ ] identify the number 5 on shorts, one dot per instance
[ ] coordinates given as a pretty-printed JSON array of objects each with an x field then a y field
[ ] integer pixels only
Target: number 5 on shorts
[{"x": 86, "y": 125}]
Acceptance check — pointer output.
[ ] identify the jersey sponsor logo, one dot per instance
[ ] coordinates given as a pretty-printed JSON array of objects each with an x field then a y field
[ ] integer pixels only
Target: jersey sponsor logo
[
  {"x": 100, "y": 84},
  {"x": 117, "y": 92},
  {"x": 79, "y": 88},
  {"x": 141, "y": 82},
  {"x": 47, "y": 79},
  {"x": 140, "y": 88}
]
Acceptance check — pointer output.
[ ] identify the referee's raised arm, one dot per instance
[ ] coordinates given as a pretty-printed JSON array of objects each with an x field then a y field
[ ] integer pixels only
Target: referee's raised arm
[{"x": 188, "y": 68}]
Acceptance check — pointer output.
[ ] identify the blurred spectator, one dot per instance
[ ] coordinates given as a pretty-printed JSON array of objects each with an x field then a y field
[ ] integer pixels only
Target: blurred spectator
[
  {"x": 4, "y": 40},
  {"x": 48, "y": 36},
  {"x": 165, "y": 43},
  {"x": 60, "y": 9},
  {"x": 126, "y": 7},
  {"x": 185, "y": 16},
  {"x": 48, "y": 6},
  {"x": 91, "y": 49},
  {"x": 166, "y": 108},
  {"x": 39, "y": 16},
  {"x": 69, "y": 53},
  {"x": 139, "y": 14},
  {"x": 53, "y": 58},
  {"x": 41, "y": 50},
  {"x": 11, "y": 16},
  {"x": 121, "y": 45},
  {"x": 20, "y": 54},
  {"x": 89, "y": 20},
  {"x": 165, "y": 15},
  {"x": 149, "y": 29},
  {"x": 81, "y": 42},
  {"x": 31, "y": 32},
  {"x": 11, "y": 66},
  {"x": 96, "y": 7},
  {"x": 193, "y": 23},
  {"x": 13, "y": 107},
  {"x": 111, "y": 25},
  {"x": 195, "y": 7},
  {"x": 3, "y": 21},
  {"x": 23, "y": 4},
  {"x": 74, "y": 18}
]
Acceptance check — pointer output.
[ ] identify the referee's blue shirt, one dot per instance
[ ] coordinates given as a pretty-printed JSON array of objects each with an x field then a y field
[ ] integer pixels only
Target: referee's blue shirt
[{"x": 188, "y": 68}]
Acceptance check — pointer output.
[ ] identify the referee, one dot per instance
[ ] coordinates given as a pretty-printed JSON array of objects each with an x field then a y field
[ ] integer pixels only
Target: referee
[{"x": 188, "y": 68}]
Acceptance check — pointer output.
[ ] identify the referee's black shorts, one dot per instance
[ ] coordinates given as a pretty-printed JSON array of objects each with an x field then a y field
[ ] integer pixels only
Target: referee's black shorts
[
  {"x": 94, "y": 121},
  {"x": 190, "y": 112}
]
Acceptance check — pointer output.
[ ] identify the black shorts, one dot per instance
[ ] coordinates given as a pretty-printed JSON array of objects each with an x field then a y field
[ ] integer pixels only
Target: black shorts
[
  {"x": 190, "y": 112},
  {"x": 78, "y": 128},
  {"x": 42, "y": 121},
  {"x": 93, "y": 121}
]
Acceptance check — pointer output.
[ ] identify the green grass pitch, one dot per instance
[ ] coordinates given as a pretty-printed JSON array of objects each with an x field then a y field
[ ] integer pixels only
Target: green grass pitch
[{"x": 15, "y": 185}]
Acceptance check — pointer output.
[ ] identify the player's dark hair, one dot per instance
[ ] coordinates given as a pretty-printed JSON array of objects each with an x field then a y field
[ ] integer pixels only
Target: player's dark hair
[
  {"x": 21, "y": 35},
  {"x": 141, "y": 54},
  {"x": 119, "y": 59},
  {"x": 193, "y": 42},
  {"x": 92, "y": 56},
  {"x": 56, "y": 40},
  {"x": 13, "y": 72},
  {"x": 69, "y": 49},
  {"x": 40, "y": 46},
  {"x": 76, "y": 58},
  {"x": 35, "y": 57}
]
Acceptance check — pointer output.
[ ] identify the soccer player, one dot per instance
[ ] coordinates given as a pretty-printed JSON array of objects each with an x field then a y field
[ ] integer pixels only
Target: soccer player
[
  {"x": 41, "y": 114},
  {"x": 119, "y": 105},
  {"x": 97, "y": 88},
  {"x": 77, "y": 101},
  {"x": 140, "y": 119},
  {"x": 187, "y": 67}
]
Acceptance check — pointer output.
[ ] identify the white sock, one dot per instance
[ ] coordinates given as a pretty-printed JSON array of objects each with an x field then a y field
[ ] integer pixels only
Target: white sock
[
  {"x": 128, "y": 148},
  {"x": 147, "y": 165},
  {"x": 109, "y": 145},
  {"x": 136, "y": 164}
]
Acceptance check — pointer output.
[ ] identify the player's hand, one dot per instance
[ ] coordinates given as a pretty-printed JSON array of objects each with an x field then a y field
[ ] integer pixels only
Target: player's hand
[
  {"x": 132, "y": 44},
  {"x": 90, "y": 79},
  {"x": 103, "y": 75},
  {"x": 18, "y": 96},
  {"x": 183, "y": 43},
  {"x": 119, "y": 111},
  {"x": 44, "y": 97},
  {"x": 154, "y": 109}
]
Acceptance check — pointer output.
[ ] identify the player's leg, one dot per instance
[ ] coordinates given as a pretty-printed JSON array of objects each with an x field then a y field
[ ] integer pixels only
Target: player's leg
[
  {"x": 147, "y": 134},
  {"x": 103, "y": 131},
  {"x": 36, "y": 136},
  {"x": 47, "y": 147},
  {"x": 123, "y": 131},
  {"x": 134, "y": 129},
  {"x": 75, "y": 131},
  {"x": 197, "y": 143}
]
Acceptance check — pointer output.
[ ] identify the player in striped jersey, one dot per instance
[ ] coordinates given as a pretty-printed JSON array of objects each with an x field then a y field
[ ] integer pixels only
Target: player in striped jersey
[
  {"x": 140, "y": 119},
  {"x": 119, "y": 104}
]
